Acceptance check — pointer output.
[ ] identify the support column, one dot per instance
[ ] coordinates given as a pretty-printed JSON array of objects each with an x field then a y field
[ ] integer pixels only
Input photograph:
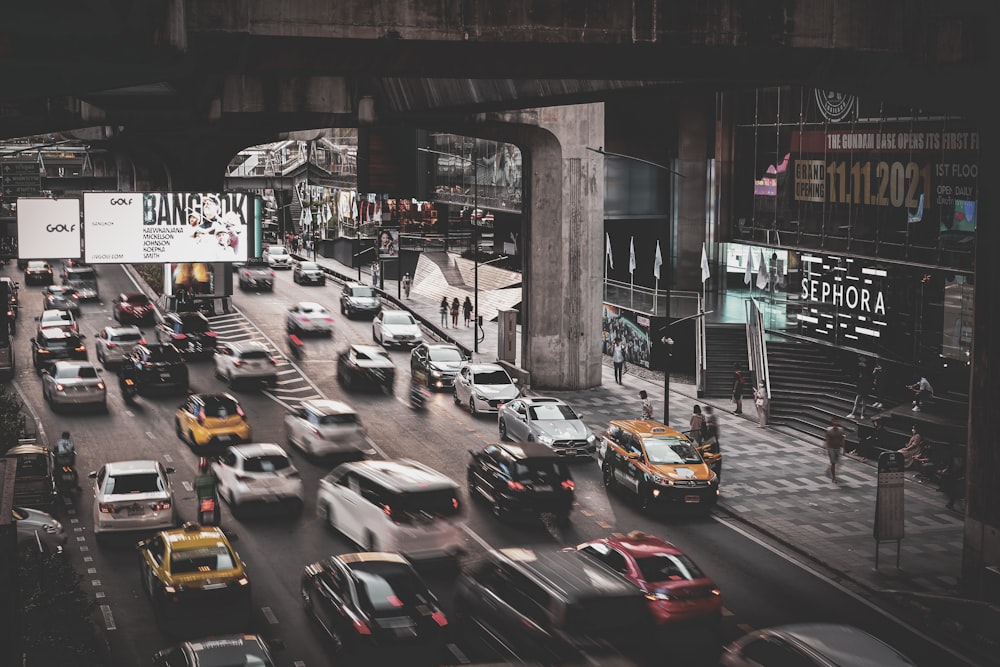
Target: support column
[{"x": 695, "y": 147}]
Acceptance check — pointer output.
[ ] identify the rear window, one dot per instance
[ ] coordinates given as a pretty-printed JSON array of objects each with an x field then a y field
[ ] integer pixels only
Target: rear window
[
  {"x": 668, "y": 567},
  {"x": 255, "y": 354},
  {"x": 543, "y": 472},
  {"x": 206, "y": 559},
  {"x": 266, "y": 464},
  {"x": 126, "y": 337},
  {"x": 425, "y": 504},
  {"x": 338, "y": 419},
  {"x": 219, "y": 406},
  {"x": 86, "y": 372},
  {"x": 389, "y": 587},
  {"x": 141, "y": 482},
  {"x": 163, "y": 353}
]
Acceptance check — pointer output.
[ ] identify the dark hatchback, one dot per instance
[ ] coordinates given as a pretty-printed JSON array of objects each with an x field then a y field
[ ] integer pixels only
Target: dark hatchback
[
  {"x": 366, "y": 366},
  {"x": 155, "y": 366},
  {"x": 190, "y": 332},
  {"x": 220, "y": 651},
  {"x": 257, "y": 278},
  {"x": 55, "y": 344},
  {"x": 521, "y": 479},
  {"x": 133, "y": 307},
  {"x": 61, "y": 297}
]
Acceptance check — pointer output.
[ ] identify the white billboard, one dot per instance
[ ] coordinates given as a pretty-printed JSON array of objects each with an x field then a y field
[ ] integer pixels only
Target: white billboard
[
  {"x": 48, "y": 228},
  {"x": 164, "y": 227}
]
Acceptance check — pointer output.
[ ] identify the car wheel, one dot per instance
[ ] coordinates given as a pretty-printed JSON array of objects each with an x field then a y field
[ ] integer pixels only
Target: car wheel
[
  {"x": 472, "y": 406},
  {"x": 498, "y": 510},
  {"x": 503, "y": 430},
  {"x": 607, "y": 476},
  {"x": 645, "y": 499},
  {"x": 100, "y": 356},
  {"x": 454, "y": 395},
  {"x": 191, "y": 439},
  {"x": 371, "y": 544},
  {"x": 470, "y": 480},
  {"x": 342, "y": 311}
]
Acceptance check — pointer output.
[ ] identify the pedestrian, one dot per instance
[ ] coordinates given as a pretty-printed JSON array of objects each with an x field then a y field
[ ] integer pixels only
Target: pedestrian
[
  {"x": 375, "y": 274},
  {"x": 455, "y": 307},
  {"x": 922, "y": 390},
  {"x": 697, "y": 424},
  {"x": 861, "y": 388},
  {"x": 738, "y": 389},
  {"x": 406, "y": 285},
  {"x": 647, "y": 407},
  {"x": 876, "y": 385},
  {"x": 444, "y": 312},
  {"x": 710, "y": 434},
  {"x": 760, "y": 402},
  {"x": 834, "y": 441},
  {"x": 874, "y": 443},
  {"x": 913, "y": 448},
  {"x": 618, "y": 359},
  {"x": 467, "y": 309}
]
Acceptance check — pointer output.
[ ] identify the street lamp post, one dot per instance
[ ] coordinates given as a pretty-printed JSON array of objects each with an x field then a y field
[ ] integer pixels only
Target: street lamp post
[{"x": 475, "y": 239}]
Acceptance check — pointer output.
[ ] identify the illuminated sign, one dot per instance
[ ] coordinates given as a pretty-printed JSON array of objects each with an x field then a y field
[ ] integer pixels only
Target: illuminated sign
[
  {"x": 842, "y": 298},
  {"x": 157, "y": 227}
]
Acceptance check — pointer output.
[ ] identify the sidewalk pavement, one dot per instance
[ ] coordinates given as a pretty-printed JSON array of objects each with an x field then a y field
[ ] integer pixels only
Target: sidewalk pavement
[{"x": 775, "y": 482}]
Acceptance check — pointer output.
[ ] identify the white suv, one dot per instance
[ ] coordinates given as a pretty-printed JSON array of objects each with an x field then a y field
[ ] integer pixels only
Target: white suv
[
  {"x": 320, "y": 427},
  {"x": 249, "y": 361},
  {"x": 277, "y": 257},
  {"x": 258, "y": 473},
  {"x": 484, "y": 387}
]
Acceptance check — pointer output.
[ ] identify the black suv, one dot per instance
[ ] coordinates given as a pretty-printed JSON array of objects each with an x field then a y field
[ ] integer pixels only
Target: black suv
[
  {"x": 555, "y": 606},
  {"x": 154, "y": 366},
  {"x": 524, "y": 478},
  {"x": 357, "y": 298},
  {"x": 188, "y": 331},
  {"x": 55, "y": 344}
]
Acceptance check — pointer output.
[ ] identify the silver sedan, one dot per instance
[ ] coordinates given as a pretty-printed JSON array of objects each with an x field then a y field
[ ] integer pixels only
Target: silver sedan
[
  {"x": 308, "y": 316},
  {"x": 549, "y": 421},
  {"x": 74, "y": 383}
]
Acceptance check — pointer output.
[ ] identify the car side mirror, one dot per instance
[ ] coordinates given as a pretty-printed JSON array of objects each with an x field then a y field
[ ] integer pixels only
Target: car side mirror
[
  {"x": 92, "y": 474},
  {"x": 170, "y": 470},
  {"x": 514, "y": 380}
]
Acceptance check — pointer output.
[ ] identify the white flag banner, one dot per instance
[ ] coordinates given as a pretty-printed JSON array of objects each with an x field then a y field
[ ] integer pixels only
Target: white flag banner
[
  {"x": 762, "y": 272},
  {"x": 657, "y": 262},
  {"x": 607, "y": 250},
  {"x": 748, "y": 276},
  {"x": 631, "y": 256},
  {"x": 705, "y": 271}
]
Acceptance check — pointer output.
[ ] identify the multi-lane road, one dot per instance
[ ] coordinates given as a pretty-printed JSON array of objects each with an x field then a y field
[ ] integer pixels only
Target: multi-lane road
[{"x": 760, "y": 586}]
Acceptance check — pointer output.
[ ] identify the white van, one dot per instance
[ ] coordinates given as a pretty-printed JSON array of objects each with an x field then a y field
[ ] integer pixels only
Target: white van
[{"x": 402, "y": 505}]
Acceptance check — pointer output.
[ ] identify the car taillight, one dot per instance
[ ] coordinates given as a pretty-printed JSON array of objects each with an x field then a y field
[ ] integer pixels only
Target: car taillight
[
  {"x": 162, "y": 505},
  {"x": 110, "y": 344},
  {"x": 108, "y": 508},
  {"x": 274, "y": 362},
  {"x": 60, "y": 387},
  {"x": 100, "y": 385},
  {"x": 206, "y": 505},
  {"x": 272, "y": 274},
  {"x": 315, "y": 430},
  {"x": 294, "y": 475},
  {"x": 42, "y": 350},
  {"x": 201, "y": 418},
  {"x": 211, "y": 334},
  {"x": 515, "y": 486},
  {"x": 361, "y": 627},
  {"x": 178, "y": 336},
  {"x": 241, "y": 413},
  {"x": 439, "y": 618},
  {"x": 243, "y": 581},
  {"x": 237, "y": 362},
  {"x": 328, "y": 319},
  {"x": 142, "y": 341},
  {"x": 568, "y": 484},
  {"x": 79, "y": 348},
  {"x": 243, "y": 478}
]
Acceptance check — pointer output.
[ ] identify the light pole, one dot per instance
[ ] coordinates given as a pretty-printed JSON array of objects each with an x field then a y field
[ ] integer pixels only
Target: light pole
[
  {"x": 669, "y": 343},
  {"x": 475, "y": 239}
]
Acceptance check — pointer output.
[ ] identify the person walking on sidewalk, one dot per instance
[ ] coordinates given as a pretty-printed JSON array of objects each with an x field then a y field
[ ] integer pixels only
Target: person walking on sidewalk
[
  {"x": 647, "y": 407},
  {"x": 697, "y": 424},
  {"x": 375, "y": 274},
  {"x": 444, "y": 312},
  {"x": 738, "y": 389},
  {"x": 406, "y": 285},
  {"x": 455, "y": 307},
  {"x": 467, "y": 309},
  {"x": 861, "y": 388},
  {"x": 711, "y": 431},
  {"x": 834, "y": 441},
  {"x": 876, "y": 385},
  {"x": 618, "y": 359}
]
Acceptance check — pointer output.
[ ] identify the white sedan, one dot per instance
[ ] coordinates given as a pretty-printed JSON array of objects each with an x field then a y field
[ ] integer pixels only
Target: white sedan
[
  {"x": 320, "y": 427},
  {"x": 133, "y": 495},
  {"x": 260, "y": 473},
  {"x": 396, "y": 327},
  {"x": 277, "y": 257},
  {"x": 74, "y": 383},
  {"x": 308, "y": 316},
  {"x": 484, "y": 387}
]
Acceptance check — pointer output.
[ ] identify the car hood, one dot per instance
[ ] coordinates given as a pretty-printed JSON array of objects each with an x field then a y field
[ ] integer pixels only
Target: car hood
[
  {"x": 563, "y": 429},
  {"x": 446, "y": 366},
  {"x": 507, "y": 391},
  {"x": 363, "y": 300},
  {"x": 684, "y": 472},
  {"x": 402, "y": 329},
  {"x": 376, "y": 363}
]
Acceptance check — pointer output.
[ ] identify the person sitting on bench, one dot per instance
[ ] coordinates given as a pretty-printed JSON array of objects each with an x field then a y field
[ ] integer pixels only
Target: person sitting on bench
[{"x": 922, "y": 390}]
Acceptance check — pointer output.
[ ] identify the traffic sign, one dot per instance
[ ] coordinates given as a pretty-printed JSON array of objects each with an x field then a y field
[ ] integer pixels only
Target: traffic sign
[{"x": 21, "y": 179}]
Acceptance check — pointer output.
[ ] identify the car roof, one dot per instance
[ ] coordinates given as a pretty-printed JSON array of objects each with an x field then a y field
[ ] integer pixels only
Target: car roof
[
  {"x": 125, "y": 467},
  {"x": 542, "y": 400},
  {"x": 252, "y": 449},
  {"x": 73, "y": 363},
  {"x": 402, "y": 474},
  {"x": 372, "y": 556},
  {"x": 325, "y": 406},
  {"x": 527, "y": 450},
  {"x": 842, "y": 644},
  {"x": 567, "y": 574},
  {"x": 245, "y": 345},
  {"x": 122, "y": 328},
  {"x": 214, "y": 395},
  {"x": 133, "y": 295},
  {"x": 26, "y": 449},
  {"x": 641, "y": 544},
  {"x": 37, "y": 262},
  {"x": 476, "y": 368},
  {"x": 57, "y": 332},
  {"x": 646, "y": 427},
  {"x": 310, "y": 304},
  {"x": 66, "y": 313},
  {"x": 368, "y": 349},
  {"x": 192, "y": 536}
]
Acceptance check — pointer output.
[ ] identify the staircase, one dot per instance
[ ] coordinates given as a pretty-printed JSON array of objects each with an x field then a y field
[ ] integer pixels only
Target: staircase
[{"x": 725, "y": 345}]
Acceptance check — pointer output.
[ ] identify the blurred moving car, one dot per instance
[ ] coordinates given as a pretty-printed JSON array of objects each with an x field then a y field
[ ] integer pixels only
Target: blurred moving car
[
  {"x": 38, "y": 531},
  {"x": 484, "y": 387},
  {"x": 246, "y": 361},
  {"x": 521, "y": 479},
  {"x": 657, "y": 464},
  {"x": 61, "y": 297},
  {"x": 74, "y": 383},
  {"x": 365, "y": 366},
  {"x": 84, "y": 280},
  {"x": 242, "y": 650},
  {"x": 54, "y": 344},
  {"x": 399, "y": 505},
  {"x": 396, "y": 327},
  {"x": 190, "y": 332},
  {"x": 550, "y": 421},
  {"x": 10, "y": 290},
  {"x": 308, "y": 273},
  {"x": 58, "y": 318},
  {"x": 373, "y": 602},
  {"x": 677, "y": 592},
  {"x": 154, "y": 366},
  {"x": 555, "y": 606},
  {"x": 133, "y": 495},
  {"x": 113, "y": 343},
  {"x": 256, "y": 278},
  {"x": 308, "y": 316},
  {"x": 320, "y": 427},
  {"x": 439, "y": 362},
  {"x": 817, "y": 644},
  {"x": 211, "y": 421},
  {"x": 37, "y": 272},
  {"x": 34, "y": 478},
  {"x": 193, "y": 576},
  {"x": 260, "y": 473},
  {"x": 357, "y": 298},
  {"x": 277, "y": 257},
  {"x": 132, "y": 307}
]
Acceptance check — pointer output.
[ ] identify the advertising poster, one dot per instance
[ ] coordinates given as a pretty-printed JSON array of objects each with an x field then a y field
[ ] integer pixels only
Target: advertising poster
[
  {"x": 631, "y": 328},
  {"x": 387, "y": 243},
  {"x": 48, "y": 228},
  {"x": 158, "y": 227},
  {"x": 192, "y": 278}
]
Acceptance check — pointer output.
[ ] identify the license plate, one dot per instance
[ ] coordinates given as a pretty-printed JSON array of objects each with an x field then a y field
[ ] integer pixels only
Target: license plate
[
  {"x": 571, "y": 452},
  {"x": 542, "y": 488},
  {"x": 223, "y": 438},
  {"x": 692, "y": 499},
  {"x": 164, "y": 376},
  {"x": 135, "y": 511}
]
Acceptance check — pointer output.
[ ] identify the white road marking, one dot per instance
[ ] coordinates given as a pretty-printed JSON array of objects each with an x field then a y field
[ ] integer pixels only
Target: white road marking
[
  {"x": 109, "y": 619},
  {"x": 150, "y": 435},
  {"x": 168, "y": 458},
  {"x": 269, "y": 615},
  {"x": 457, "y": 652},
  {"x": 187, "y": 485}
]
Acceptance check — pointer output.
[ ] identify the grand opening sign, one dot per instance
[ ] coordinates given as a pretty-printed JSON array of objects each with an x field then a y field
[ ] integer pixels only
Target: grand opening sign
[{"x": 158, "y": 227}]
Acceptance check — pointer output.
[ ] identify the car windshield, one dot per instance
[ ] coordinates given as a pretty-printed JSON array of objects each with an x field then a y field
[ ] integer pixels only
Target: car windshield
[
  {"x": 398, "y": 318},
  {"x": 444, "y": 354},
  {"x": 194, "y": 324},
  {"x": 84, "y": 372},
  {"x": 492, "y": 377},
  {"x": 387, "y": 587},
  {"x": 277, "y": 250},
  {"x": 542, "y": 472},
  {"x": 309, "y": 266},
  {"x": 362, "y": 291},
  {"x": 268, "y": 463},
  {"x": 667, "y": 568},
  {"x": 136, "y": 482},
  {"x": 670, "y": 451},
  {"x": 137, "y": 299},
  {"x": 552, "y": 412},
  {"x": 219, "y": 406},
  {"x": 204, "y": 559},
  {"x": 163, "y": 353}
]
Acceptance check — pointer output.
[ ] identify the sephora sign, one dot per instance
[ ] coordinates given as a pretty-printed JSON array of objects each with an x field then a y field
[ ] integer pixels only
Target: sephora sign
[{"x": 843, "y": 300}]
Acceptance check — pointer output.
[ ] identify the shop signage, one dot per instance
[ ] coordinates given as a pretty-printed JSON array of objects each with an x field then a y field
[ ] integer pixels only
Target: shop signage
[
  {"x": 842, "y": 297},
  {"x": 21, "y": 179}
]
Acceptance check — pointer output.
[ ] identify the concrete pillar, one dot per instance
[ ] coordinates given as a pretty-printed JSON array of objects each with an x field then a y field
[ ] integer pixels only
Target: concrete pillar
[{"x": 695, "y": 146}]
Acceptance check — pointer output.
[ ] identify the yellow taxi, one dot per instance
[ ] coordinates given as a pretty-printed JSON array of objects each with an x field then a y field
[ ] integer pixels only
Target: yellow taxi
[
  {"x": 192, "y": 573},
  {"x": 211, "y": 421},
  {"x": 657, "y": 464}
]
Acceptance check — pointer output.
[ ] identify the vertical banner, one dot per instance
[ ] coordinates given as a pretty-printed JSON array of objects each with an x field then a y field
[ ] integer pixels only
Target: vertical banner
[{"x": 889, "y": 497}]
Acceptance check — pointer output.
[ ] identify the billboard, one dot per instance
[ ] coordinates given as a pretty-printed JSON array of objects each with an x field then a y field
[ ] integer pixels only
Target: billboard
[
  {"x": 387, "y": 243},
  {"x": 48, "y": 228},
  {"x": 167, "y": 227}
]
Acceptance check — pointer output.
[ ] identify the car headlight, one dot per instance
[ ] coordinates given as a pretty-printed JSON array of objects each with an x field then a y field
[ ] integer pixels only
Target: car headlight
[
  {"x": 387, "y": 334},
  {"x": 546, "y": 439},
  {"x": 661, "y": 480},
  {"x": 52, "y": 528},
  {"x": 480, "y": 397},
  {"x": 591, "y": 438},
  {"x": 714, "y": 479},
  {"x": 435, "y": 374}
]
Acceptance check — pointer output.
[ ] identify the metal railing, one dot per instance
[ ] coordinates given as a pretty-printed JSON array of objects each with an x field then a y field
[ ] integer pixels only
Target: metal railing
[
  {"x": 757, "y": 353},
  {"x": 651, "y": 301}
]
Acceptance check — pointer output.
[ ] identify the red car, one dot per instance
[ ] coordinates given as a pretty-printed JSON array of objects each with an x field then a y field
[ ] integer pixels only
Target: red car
[
  {"x": 133, "y": 307},
  {"x": 677, "y": 590}
]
